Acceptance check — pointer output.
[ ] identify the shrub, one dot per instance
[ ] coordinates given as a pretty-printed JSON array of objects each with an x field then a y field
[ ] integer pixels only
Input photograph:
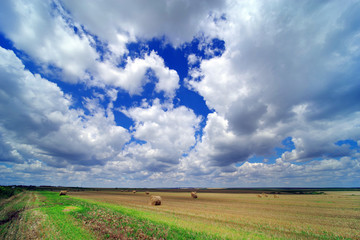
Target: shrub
[{"x": 6, "y": 192}]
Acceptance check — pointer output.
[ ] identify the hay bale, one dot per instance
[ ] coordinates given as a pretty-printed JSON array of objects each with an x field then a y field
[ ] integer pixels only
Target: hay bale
[
  {"x": 63, "y": 193},
  {"x": 259, "y": 196},
  {"x": 134, "y": 191},
  {"x": 147, "y": 193},
  {"x": 155, "y": 200},
  {"x": 194, "y": 195}
]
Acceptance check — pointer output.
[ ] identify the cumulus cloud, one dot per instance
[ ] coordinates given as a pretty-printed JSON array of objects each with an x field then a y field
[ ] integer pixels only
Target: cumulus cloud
[
  {"x": 47, "y": 34},
  {"x": 37, "y": 119},
  {"x": 283, "y": 74},
  {"x": 222, "y": 147},
  {"x": 133, "y": 77},
  {"x": 280, "y": 173},
  {"x": 168, "y": 133},
  {"x": 276, "y": 70},
  {"x": 178, "y": 21},
  {"x": 193, "y": 59}
]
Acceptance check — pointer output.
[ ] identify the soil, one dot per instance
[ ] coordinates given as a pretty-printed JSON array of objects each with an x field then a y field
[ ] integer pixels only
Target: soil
[{"x": 11, "y": 216}]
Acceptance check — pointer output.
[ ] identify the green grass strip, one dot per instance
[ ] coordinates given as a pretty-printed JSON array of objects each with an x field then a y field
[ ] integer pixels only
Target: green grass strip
[
  {"x": 58, "y": 224},
  {"x": 137, "y": 221},
  {"x": 175, "y": 224}
]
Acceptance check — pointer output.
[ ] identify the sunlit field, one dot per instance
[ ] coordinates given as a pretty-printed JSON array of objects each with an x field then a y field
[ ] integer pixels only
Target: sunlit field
[
  {"x": 126, "y": 215},
  {"x": 46, "y": 215},
  {"x": 332, "y": 215}
]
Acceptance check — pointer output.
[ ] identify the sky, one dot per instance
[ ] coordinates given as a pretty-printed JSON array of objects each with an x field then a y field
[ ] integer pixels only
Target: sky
[{"x": 180, "y": 93}]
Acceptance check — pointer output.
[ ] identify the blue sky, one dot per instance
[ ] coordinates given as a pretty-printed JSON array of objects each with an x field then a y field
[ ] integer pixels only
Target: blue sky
[{"x": 180, "y": 93}]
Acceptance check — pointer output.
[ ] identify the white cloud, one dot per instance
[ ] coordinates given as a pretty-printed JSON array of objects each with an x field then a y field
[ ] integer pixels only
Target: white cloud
[
  {"x": 289, "y": 69},
  {"x": 222, "y": 147},
  {"x": 169, "y": 132},
  {"x": 317, "y": 139},
  {"x": 193, "y": 59},
  {"x": 220, "y": 85},
  {"x": 133, "y": 77},
  {"x": 178, "y": 21},
  {"x": 47, "y": 34},
  {"x": 314, "y": 174},
  {"x": 283, "y": 74},
  {"x": 37, "y": 121}
]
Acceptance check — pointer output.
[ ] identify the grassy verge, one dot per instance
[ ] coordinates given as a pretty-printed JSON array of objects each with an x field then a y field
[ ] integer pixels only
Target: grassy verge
[
  {"x": 6, "y": 192},
  {"x": 17, "y": 218},
  {"x": 180, "y": 228},
  {"x": 46, "y": 215},
  {"x": 57, "y": 223},
  {"x": 242, "y": 216},
  {"x": 105, "y": 222}
]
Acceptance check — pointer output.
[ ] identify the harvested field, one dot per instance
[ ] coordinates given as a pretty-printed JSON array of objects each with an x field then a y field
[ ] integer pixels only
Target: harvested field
[
  {"x": 124, "y": 215},
  {"x": 330, "y": 216},
  {"x": 46, "y": 215}
]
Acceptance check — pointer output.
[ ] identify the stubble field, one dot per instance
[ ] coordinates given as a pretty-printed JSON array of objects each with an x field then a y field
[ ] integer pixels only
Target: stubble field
[
  {"x": 334, "y": 215},
  {"x": 124, "y": 215}
]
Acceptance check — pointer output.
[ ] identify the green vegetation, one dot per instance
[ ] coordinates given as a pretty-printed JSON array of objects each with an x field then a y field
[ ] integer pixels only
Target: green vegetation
[
  {"x": 333, "y": 215},
  {"x": 6, "y": 192},
  {"x": 46, "y": 215},
  {"x": 124, "y": 215},
  {"x": 16, "y": 220}
]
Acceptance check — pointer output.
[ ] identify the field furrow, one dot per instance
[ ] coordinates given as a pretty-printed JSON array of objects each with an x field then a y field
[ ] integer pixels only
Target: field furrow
[{"x": 124, "y": 215}]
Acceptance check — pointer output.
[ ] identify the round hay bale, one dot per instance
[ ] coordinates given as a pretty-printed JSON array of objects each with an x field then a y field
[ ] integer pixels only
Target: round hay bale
[
  {"x": 63, "y": 193},
  {"x": 147, "y": 193},
  {"x": 194, "y": 195},
  {"x": 259, "y": 196},
  {"x": 155, "y": 200},
  {"x": 134, "y": 191}
]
